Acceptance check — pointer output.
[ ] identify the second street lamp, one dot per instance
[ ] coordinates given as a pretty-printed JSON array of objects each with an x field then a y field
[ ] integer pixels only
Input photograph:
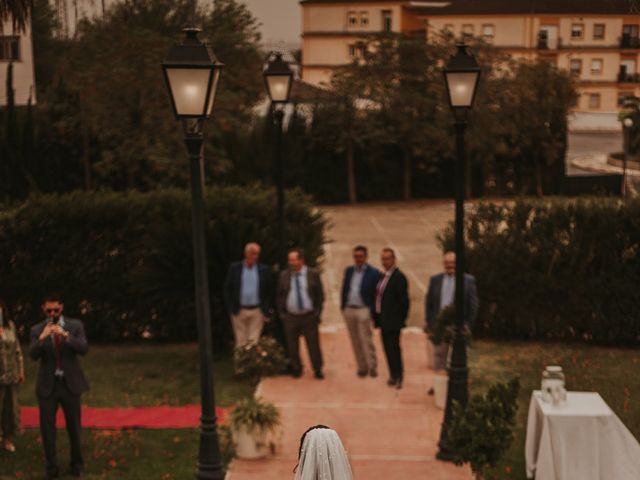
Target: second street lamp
[
  {"x": 192, "y": 71},
  {"x": 278, "y": 79},
  {"x": 462, "y": 74}
]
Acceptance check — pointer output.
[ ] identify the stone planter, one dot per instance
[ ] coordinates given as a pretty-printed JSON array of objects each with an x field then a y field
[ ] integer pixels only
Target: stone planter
[
  {"x": 250, "y": 444},
  {"x": 440, "y": 387}
]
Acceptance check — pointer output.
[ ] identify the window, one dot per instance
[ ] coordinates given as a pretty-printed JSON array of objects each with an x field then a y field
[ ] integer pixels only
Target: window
[
  {"x": 575, "y": 66},
  {"x": 598, "y": 31},
  {"x": 487, "y": 32},
  {"x": 467, "y": 31},
  {"x": 575, "y": 101},
  {"x": 356, "y": 50},
  {"x": 631, "y": 30},
  {"x": 596, "y": 66},
  {"x": 352, "y": 19},
  {"x": 594, "y": 100},
  {"x": 622, "y": 97},
  {"x": 577, "y": 31},
  {"x": 9, "y": 48},
  {"x": 364, "y": 19},
  {"x": 386, "y": 21}
]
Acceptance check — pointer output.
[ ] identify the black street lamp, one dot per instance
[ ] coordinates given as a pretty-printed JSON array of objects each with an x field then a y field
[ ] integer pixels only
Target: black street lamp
[
  {"x": 461, "y": 75},
  {"x": 278, "y": 79},
  {"x": 191, "y": 71}
]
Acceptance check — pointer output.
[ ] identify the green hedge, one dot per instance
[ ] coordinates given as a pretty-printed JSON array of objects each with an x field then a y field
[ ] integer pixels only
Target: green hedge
[
  {"x": 124, "y": 263},
  {"x": 556, "y": 268}
]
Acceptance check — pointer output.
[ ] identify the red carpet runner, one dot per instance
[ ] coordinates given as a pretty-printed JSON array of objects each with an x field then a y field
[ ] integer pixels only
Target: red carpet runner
[{"x": 121, "y": 418}]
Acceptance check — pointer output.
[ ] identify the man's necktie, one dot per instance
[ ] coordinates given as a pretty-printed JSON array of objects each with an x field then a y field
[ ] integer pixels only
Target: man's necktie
[
  {"x": 299, "y": 293},
  {"x": 56, "y": 349}
]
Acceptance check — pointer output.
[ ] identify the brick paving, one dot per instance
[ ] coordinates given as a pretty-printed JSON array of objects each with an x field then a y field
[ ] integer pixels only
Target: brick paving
[{"x": 389, "y": 434}]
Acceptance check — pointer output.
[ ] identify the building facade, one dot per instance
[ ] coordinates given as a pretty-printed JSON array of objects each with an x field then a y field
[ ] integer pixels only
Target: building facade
[
  {"x": 597, "y": 40},
  {"x": 16, "y": 48}
]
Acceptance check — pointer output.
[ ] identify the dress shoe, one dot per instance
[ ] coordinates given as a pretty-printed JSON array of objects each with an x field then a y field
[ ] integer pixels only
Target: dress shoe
[
  {"x": 373, "y": 373},
  {"x": 362, "y": 373},
  {"x": 391, "y": 382},
  {"x": 319, "y": 375},
  {"x": 431, "y": 391},
  {"x": 399, "y": 384},
  {"x": 77, "y": 471}
]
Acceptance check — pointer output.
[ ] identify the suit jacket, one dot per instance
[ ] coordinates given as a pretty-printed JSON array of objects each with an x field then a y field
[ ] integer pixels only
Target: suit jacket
[
  {"x": 70, "y": 348},
  {"x": 432, "y": 299},
  {"x": 233, "y": 283},
  {"x": 316, "y": 293},
  {"x": 367, "y": 287},
  {"x": 395, "y": 303}
]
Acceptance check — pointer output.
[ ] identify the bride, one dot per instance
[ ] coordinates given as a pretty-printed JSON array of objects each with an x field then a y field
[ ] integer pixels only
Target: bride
[{"x": 322, "y": 456}]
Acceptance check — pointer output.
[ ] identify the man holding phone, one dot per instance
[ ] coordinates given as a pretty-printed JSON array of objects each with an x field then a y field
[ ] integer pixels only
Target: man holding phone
[{"x": 56, "y": 342}]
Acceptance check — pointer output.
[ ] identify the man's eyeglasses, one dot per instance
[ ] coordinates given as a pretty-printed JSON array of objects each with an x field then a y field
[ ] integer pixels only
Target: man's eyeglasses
[{"x": 52, "y": 310}]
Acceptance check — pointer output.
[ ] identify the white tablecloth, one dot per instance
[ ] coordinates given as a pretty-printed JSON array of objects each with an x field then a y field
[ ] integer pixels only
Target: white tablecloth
[{"x": 582, "y": 440}]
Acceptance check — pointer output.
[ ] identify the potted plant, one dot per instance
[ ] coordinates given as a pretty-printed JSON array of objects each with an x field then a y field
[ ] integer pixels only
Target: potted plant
[
  {"x": 481, "y": 432},
  {"x": 257, "y": 360},
  {"x": 253, "y": 423}
]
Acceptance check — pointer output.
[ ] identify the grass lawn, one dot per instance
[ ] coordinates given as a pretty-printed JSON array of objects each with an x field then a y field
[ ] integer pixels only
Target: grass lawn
[
  {"x": 609, "y": 371},
  {"x": 122, "y": 376}
]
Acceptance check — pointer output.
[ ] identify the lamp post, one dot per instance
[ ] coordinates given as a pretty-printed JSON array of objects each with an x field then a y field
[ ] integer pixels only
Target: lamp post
[
  {"x": 627, "y": 124},
  {"x": 461, "y": 74},
  {"x": 278, "y": 79},
  {"x": 191, "y": 72}
]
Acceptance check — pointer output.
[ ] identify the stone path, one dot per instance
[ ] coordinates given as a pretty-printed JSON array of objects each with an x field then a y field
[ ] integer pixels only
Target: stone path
[{"x": 389, "y": 434}]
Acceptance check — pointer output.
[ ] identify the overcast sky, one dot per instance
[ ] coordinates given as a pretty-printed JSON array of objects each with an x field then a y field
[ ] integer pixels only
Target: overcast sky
[{"x": 280, "y": 19}]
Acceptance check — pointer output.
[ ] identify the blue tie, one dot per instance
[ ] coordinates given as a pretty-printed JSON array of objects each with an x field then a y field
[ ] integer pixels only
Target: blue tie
[{"x": 299, "y": 293}]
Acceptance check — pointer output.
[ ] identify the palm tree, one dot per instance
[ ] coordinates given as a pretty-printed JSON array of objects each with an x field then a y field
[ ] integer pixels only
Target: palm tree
[{"x": 16, "y": 11}]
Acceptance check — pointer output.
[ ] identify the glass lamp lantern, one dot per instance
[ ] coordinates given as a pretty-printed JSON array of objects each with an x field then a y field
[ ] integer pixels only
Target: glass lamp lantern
[{"x": 191, "y": 72}]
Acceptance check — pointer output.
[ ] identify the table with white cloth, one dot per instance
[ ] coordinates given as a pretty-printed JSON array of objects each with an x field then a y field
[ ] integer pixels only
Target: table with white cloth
[{"x": 580, "y": 440}]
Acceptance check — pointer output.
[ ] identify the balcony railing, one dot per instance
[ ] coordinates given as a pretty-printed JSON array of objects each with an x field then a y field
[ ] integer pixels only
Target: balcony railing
[
  {"x": 628, "y": 41},
  {"x": 624, "y": 77}
]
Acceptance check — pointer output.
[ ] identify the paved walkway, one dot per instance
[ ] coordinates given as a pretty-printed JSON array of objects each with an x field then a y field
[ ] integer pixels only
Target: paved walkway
[
  {"x": 389, "y": 434},
  {"x": 409, "y": 228}
]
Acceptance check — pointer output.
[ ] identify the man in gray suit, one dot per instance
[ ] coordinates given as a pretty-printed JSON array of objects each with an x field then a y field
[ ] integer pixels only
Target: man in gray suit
[
  {"x": 300, "y": 299},
  {"x": 441, "y": 294}
]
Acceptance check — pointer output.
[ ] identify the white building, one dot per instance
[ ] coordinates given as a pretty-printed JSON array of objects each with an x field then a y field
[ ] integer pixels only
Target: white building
[{"x": 16, "y": 48}]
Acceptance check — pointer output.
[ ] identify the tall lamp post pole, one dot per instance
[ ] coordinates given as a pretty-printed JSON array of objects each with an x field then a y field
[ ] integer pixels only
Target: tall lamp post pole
[
  {"x": 627, "y": 124},
  {"x": 278, "y": 78},
  {"x": 462, "y": 74},
  {"x": 191, "y": 72}
]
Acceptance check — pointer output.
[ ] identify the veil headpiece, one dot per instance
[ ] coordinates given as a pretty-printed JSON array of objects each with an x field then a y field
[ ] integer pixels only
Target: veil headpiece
[{"x": 323, "y": 457}]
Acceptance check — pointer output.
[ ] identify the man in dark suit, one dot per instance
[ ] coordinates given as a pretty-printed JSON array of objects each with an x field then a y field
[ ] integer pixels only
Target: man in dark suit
[
  {"x": 300, "y": 299},
  {"x": 391, "y": 311},
  {"x": 247, "y": 295},
  {"x": 441, "y": 293},
  {"x": 56, "y": 343},
  {"x": 358, "y": 304}
]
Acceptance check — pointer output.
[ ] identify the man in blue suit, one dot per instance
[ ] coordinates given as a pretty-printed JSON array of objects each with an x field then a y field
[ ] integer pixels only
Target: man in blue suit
[{"x": 357, "y": 304}]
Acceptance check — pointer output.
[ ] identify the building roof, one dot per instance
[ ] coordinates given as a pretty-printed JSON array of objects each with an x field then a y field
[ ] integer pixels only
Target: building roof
[
  {"x": 507, "y": 7},
  {"x": 524, "y": 7}
]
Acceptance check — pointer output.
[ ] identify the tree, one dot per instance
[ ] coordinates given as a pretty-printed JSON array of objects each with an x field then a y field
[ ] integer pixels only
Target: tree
[{"x": 15, "y": 11}]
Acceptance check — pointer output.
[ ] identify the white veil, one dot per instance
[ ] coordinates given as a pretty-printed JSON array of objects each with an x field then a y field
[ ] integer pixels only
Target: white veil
[{"x": 323, "y": 457}]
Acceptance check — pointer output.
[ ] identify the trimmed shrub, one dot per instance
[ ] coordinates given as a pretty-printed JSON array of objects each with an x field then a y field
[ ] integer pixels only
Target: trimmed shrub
[
  {"x": 124, "y": 262},
  {"x": 556, "y": 268}
]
